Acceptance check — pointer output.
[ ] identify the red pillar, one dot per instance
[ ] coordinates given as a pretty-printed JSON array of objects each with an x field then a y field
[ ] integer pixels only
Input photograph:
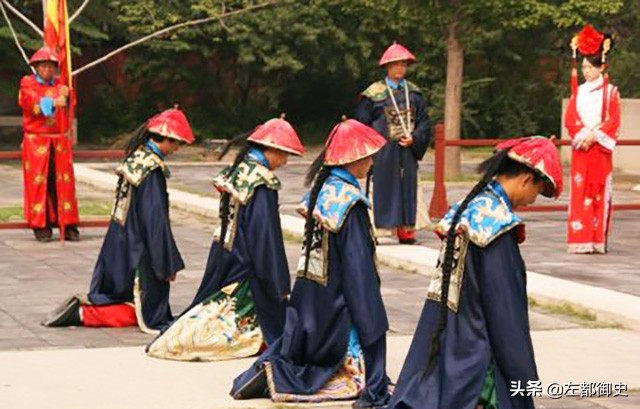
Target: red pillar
[{"x": 439, "y": 206}]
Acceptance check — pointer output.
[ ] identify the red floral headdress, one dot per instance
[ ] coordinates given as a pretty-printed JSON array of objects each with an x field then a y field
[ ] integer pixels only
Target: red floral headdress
[{"x": 590, "y": 42}]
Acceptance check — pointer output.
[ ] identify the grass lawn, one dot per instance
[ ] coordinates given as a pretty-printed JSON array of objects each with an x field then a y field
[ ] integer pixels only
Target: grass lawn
[{"x": 87, "y": 208}]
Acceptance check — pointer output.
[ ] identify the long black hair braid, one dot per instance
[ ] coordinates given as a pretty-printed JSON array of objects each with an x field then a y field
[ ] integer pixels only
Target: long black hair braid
[
  {"x": 318, "y": 174},
  {"x": 499, "y": 163},
  {"x": 139, "y": 137},
  {"x": 225, "y": 197}
]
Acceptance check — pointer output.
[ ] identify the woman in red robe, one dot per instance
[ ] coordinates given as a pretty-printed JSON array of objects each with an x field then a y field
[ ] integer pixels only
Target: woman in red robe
[{"x": 593, "y": 122}]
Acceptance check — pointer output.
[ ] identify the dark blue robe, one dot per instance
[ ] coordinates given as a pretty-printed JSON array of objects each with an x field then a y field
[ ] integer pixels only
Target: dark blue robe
[
  {"x": 145, "y": 243},
  {"x": 490, "y": 326},
  {"x": 257, "y": 255},
  {"x": 395, "y": 169},
  {"x": 320, "y": 318}
]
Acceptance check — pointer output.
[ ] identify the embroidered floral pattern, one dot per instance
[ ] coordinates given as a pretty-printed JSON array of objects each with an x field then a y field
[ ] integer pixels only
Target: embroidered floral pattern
[
  {"x": 242, "y": 182},
  {"x": 488, "y": 216},
  {"x": 346, "y": 383},
  {"x": 224, "y": 326},
  {"x": 335, "y": 200},
  {"x": 461, "y": 245},
  {"x": 139, "y": 165},
  {"x": 378, "y": 91},
  {"x": 134, "y": 170}
]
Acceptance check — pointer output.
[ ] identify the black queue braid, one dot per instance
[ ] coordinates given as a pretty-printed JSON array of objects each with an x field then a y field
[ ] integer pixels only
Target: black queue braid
[
  {"x": 139, "y": 137},
  {"x": 225, "y": 197},
  {"x": 367, "y": 185},
  {"x": 499, "y": 163},
  {"x": 318, "y": 172},
  {"x": 233, "y": 141},
  {"x": 314, "y": 168}
]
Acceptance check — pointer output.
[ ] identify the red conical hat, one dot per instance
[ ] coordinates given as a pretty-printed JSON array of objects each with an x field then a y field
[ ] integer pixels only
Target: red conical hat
[
  {"x": 278, "y": 134},
  {"x": 172, "y": 123},
  {"x": 541, "y": 155},
  {"x": 396, "y": 52},
  {"x": 350, "y": 141},
  {"x": 44, "y": 54}
]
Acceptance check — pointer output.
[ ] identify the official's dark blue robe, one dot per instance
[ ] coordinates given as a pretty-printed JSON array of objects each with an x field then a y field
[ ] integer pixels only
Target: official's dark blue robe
[
  {"x": 241, "y": 301},
  {"x": 490, "y": 327},
  {"x": 322, "y": 312},
  {"x": 145, "y": 243},
  {"x": 257, "y": 255},
  {"x": 395, "y": 169}
]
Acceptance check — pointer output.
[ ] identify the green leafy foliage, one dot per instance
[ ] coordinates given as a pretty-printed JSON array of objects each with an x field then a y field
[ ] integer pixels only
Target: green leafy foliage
[{"x": 311, "y": 58}]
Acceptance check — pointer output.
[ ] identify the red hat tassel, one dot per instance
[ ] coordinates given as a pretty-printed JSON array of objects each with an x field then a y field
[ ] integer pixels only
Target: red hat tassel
[
  {"x": 574, "y": 78},
  {"x": 606, "y": 47}
]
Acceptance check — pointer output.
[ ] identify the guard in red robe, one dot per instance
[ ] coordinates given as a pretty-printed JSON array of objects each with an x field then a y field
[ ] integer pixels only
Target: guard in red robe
[
  {"x": 592, "y": 120},
  {"x": 47, "y": 156}
]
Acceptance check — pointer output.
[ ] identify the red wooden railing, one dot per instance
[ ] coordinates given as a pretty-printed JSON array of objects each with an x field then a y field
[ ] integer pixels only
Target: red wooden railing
[
  {"x": 439, "y": 205},
  {"x": 94, "y": 154},
  {"x": 101, "y": 154}
]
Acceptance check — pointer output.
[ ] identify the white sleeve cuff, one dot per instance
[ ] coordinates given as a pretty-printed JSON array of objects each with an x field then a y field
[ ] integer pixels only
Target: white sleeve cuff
[
  {"x": 580, "y": 136},
  {"x": 605, "y": 140}
]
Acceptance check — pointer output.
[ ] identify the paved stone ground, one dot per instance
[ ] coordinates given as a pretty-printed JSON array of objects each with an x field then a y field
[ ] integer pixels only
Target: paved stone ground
[
  {"x": 544, "y": 250},
  {"x": 36, "y": 277}
]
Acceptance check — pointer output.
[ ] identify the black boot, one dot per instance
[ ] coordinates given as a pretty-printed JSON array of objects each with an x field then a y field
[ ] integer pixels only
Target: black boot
[
  {"x": 71, "y": 233},
  {"x": 66, "y": 315},
  {"x": 410, "y": 241},
  {"x": 364, "y": 403},
  {"x": 255, "y": 388},
  {"x": 42, "y": 235}
]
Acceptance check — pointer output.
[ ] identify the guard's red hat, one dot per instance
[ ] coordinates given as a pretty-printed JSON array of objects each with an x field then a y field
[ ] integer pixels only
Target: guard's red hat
[
  {"x": 541, "y": 155},
  {"x": 350, "y": 141},
  {"x": 44, "y": 54},
  {"x": 172, "y": 123},
  {"x": 396, "y": 52},
  {"x": 278, "y": 134}
]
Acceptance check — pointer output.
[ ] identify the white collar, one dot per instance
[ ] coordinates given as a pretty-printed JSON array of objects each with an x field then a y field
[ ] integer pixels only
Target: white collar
[{"x": 595, "y": 84}]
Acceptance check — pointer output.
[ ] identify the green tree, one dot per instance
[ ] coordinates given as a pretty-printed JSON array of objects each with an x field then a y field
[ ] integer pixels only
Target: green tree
[
  {"x": 499, "y": 67},
  {"x": 466, "y": 24}
]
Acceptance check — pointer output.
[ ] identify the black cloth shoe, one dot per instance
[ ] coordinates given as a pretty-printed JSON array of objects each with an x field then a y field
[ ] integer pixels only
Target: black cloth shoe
[
  {"x": 408, "y": 241},
  {"x": 367, "y": 404},
  {"x": 42, "y": 235},
  {"x": 256, "y": 388},
  {"x": 71, "y": 233},
  {"x": 66, "y": 315}
]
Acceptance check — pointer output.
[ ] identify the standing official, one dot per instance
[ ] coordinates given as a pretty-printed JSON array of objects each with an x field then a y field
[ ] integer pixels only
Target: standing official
[{"x": 396, "y": 109}]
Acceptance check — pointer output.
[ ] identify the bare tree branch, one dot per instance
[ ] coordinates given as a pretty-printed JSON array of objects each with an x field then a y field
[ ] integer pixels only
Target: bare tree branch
[
  {"x": 77, "y": 12},
  {"x": 24, "y": 18},
  {"x": 223, "y": 9},
  {"x": 15, "y": 37},
  {"x": 173, "y": 28}
]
